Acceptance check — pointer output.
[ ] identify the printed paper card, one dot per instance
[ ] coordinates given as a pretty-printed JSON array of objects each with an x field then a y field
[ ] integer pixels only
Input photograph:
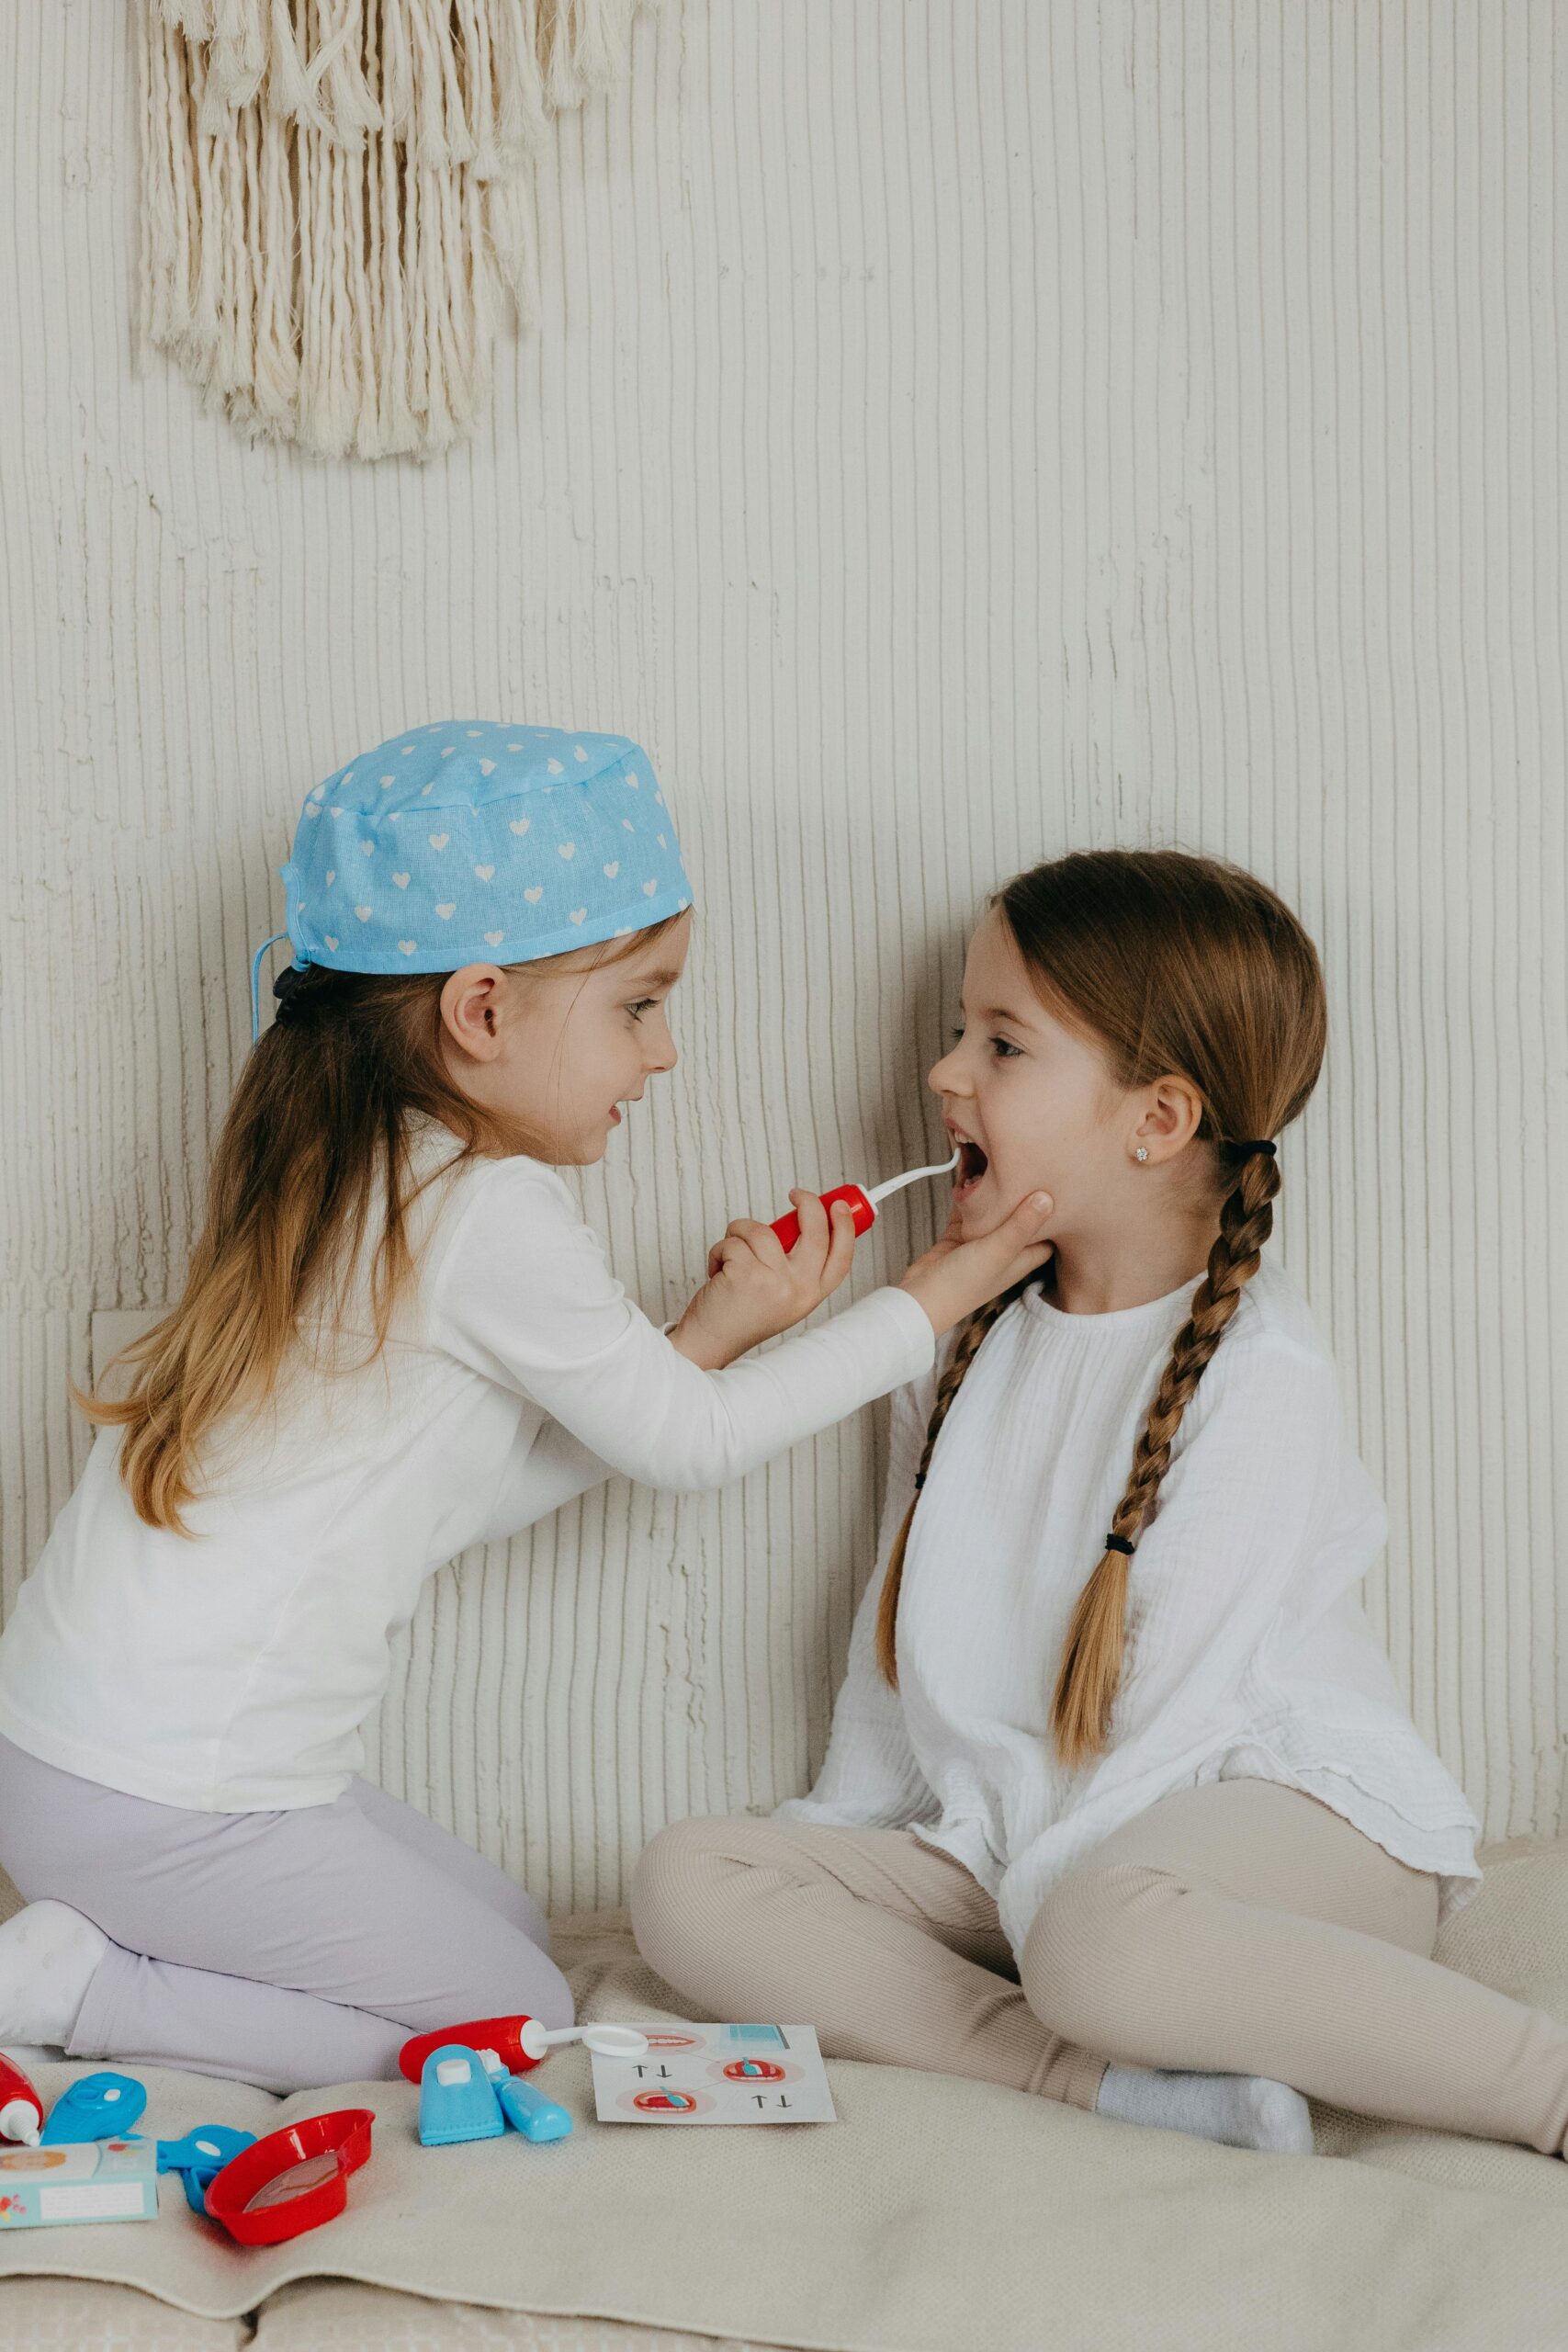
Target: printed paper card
[
  {"x": 717, "y": 2073},
  {"x": 98, "y": 2180}
]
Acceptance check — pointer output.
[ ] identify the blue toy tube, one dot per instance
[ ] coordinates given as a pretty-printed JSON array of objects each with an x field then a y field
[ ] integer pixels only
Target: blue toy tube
[{"x": 537, "y": 2118}]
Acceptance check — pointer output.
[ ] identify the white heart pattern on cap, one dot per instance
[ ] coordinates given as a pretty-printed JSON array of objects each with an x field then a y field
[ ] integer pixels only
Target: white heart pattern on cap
[
  {"x": 484, "y": 872},
  {"x": 408, "y": 945},
  {"x": 401, "y": 880},
  {"x": 331, "y": 943},
  {"x": 648, "y": 889},
  {"x": 438, "y": 841},
  {"x": 487, "y": 767},
  {"x": 565, "y": 849},
  {"x": 611, "y": 871},
  {"x": 448, "y": 911},
  {"x": 519, "y": 826},
  {"x": 535, "y": 895},
  {"x": 580, "y": 914},
  {"x": 368, "y": 847},
  {"x": 494, "y": 938},
  {"x": 364, "y": 913}
]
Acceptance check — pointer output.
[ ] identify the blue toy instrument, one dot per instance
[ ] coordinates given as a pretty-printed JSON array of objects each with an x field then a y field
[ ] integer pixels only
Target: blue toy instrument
[
  {"x": 526, "y": 2109},
  {"x": 457, "y": 2099},
  {"x": 201, "y": 2156},
  {"x": 96, "y": 2106}
]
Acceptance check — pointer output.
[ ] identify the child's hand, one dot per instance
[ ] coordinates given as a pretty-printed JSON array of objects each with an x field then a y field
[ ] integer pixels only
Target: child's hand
[
  {"x": 955, "y": 1277},
  {"x": 754, "y": 1289}
]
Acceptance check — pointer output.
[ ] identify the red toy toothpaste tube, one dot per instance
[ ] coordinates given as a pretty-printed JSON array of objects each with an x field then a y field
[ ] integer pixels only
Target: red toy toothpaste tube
[{"x": 21, "y": 2109}]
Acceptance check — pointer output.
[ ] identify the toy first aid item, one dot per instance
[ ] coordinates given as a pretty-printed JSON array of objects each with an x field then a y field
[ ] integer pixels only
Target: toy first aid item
[
  {"x": 21, "y": 2109},
  {"x": 717, "y": 2073},
  {"x": 457, "y": 2097},
  {"x": 518, "y": 2041},
  {"x": 107, "y": 2180},
  {"x": 863, "y": 1203},
  {"x": 293, "y": 2180},
  {"x": 201, "y": 2156},
  {"x": 524, "y": 2105},
  {"x": 96, "y": 2106}
]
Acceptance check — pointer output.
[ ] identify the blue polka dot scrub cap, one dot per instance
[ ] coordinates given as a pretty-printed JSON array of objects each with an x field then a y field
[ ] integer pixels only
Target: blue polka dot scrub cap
[{"x": 475, "y": 842}]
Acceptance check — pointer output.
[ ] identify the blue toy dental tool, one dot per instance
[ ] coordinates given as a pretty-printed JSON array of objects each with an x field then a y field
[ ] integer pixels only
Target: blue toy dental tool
[
  {"x": 528, "y": 2111},
  {"x": 96, "y": 2106},
  {"x": 457, "y": 2099},
  {"x": 201, "y": 2156}
]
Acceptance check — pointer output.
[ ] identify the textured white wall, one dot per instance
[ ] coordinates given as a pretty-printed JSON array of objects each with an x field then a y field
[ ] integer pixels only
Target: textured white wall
[{"x": 961, "y": 428}]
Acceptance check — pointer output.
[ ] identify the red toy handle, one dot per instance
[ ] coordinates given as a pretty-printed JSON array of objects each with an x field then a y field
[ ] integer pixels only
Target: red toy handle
[
  {"x": 503, "y": 2035},
  {"x": 788, "y": 1227}
]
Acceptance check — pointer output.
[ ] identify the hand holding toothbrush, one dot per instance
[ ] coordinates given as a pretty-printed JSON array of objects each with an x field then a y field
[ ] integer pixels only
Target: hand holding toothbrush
[{"x": 756, "y": 1287}]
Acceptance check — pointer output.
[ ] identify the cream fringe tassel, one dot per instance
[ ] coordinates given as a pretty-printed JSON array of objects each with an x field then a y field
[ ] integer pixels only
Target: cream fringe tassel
[{"x": 337, "y": 212}]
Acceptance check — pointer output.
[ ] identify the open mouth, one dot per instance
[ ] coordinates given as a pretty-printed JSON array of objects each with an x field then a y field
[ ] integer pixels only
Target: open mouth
[{"x": 972, "y": 1165}]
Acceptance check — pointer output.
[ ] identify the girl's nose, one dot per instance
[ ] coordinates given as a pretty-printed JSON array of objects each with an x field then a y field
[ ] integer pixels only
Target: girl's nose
[{"x": 941, "y": 1077}]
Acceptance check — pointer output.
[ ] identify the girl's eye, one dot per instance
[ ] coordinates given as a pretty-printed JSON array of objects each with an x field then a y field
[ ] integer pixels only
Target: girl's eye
[
  {"x": 644, "y": 1004},
  {"x": 1004, "y": 1050}
]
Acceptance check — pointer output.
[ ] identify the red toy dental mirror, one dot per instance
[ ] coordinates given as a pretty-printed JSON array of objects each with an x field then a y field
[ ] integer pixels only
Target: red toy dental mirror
[{"x": 863, "y": 1203}]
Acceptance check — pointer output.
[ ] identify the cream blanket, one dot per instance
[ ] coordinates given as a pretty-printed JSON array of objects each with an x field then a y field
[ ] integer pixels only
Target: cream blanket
[{"x": 937, "y": 2216}]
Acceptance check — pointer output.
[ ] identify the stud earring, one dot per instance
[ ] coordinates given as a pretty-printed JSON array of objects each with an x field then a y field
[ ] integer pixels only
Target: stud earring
[{"x": 1142, "y": 1152}]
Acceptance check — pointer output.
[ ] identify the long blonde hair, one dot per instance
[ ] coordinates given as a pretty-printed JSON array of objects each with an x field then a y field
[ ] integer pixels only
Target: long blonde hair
[
  {"x": 1176, "y": 966},
  {"x": 316, "y": 1139}
]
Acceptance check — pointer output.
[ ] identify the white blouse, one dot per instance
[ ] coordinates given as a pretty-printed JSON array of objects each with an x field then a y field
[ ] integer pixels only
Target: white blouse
[
  {"x": 1249, "y": 1653},
  {"x": 232, "y": 1672}
]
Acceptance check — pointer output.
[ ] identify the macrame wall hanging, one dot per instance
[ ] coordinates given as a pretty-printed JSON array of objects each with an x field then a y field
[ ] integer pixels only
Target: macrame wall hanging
[{"x": 338, "y": 200}]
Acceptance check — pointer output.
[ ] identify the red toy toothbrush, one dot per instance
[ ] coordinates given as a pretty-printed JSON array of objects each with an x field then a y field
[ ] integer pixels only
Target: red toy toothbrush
[{"x": 863, "y": 1203}]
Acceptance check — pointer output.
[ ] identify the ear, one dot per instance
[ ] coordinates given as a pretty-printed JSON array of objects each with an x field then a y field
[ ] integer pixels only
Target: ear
[
  {"x": 470, "y": 1010},
  {"x": 1172, "y": 1113}
]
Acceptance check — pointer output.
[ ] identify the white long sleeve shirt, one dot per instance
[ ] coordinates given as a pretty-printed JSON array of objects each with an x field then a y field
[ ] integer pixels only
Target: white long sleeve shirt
[
  {"x": 1249, "y": 1653},
  {"x": 232, "y": 1672}
]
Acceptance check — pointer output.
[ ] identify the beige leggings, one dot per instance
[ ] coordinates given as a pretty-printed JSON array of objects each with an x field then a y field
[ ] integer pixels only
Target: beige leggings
[{"x": 1237, "y": 1928}]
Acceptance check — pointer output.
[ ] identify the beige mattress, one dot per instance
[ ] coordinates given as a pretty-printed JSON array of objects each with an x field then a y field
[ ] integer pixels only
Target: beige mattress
[{"x": 937, "y": 2216}]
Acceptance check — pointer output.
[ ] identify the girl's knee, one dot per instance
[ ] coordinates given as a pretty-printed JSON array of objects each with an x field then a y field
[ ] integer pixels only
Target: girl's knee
[
  {"x": 678, "y": 1887},
  {"x": 1089, "y": 1967},
  {"x": 669, "y": 1880},
  {"x": 515, "y": 1976}
]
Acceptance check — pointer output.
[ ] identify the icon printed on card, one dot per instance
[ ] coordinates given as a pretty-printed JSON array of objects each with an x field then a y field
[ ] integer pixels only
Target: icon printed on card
[{"x": 717, "y": 2073}]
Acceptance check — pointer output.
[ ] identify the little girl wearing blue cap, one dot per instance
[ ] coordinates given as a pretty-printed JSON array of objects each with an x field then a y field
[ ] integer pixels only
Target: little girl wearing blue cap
[{"x": 398, "y": 1339}]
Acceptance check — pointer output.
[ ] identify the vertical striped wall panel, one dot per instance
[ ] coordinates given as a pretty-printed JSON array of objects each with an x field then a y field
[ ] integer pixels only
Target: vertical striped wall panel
[{"x": 959, "y": 428}]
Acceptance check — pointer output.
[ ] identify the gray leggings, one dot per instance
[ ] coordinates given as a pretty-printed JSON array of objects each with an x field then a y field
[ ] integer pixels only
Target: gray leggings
[{"x": 288, "y": 1950}]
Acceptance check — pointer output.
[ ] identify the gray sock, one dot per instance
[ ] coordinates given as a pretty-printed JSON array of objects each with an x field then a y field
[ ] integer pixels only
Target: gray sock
[{"x": 1238, "y": 2110}]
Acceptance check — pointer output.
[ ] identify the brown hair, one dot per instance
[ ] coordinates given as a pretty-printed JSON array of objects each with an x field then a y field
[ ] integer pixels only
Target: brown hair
[
  {"x": 316, "y": 1137},
  {"x": 1176, "y": 966}
]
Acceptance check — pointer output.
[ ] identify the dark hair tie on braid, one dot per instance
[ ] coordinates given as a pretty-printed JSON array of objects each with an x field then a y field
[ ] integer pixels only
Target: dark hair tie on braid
[{"x": 1245, "y": 1150}]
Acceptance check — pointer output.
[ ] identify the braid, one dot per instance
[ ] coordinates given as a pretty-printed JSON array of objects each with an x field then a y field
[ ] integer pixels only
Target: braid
[
  {"x": 1092, "y": 1654},
  {"x": 966, "y": 1347}
]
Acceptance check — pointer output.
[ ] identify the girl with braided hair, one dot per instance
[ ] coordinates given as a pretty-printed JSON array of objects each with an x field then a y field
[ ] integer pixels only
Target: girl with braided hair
[{"x": 1121, "y": 1805}]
